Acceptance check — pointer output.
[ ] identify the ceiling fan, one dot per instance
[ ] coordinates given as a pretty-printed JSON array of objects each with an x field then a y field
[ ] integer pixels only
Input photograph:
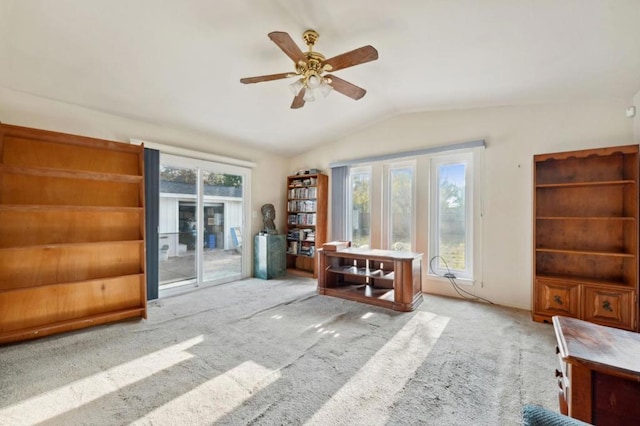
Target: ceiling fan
[{"x": 312, "y": 69}]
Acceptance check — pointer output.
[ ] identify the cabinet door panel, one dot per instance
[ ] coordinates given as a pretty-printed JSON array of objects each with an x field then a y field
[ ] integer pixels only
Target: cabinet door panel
[
  {"x": 609, "y": 307},
  {"x": 557, "y": 298}
]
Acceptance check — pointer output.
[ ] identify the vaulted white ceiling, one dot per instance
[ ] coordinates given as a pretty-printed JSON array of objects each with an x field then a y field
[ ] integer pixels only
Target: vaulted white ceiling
[{"x": 178, "y": 62}]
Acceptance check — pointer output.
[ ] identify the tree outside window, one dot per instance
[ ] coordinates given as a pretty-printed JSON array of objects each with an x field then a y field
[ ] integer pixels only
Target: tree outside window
[
  {"x": 401, "y": 205},
  {"x": 452, "y": 234},
  {"x": 360, "y": 209}
]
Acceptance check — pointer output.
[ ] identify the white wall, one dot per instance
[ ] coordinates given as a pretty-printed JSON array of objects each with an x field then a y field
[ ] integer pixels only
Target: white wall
[
  {"x": 636, "y": 120},
  {"x": 268, "y": 176},
  {"x": 513, "y": 136}
]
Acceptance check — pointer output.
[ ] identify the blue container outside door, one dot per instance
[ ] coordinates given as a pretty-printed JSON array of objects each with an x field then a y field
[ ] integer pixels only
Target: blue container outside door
[{"x": 212, "y": 241}]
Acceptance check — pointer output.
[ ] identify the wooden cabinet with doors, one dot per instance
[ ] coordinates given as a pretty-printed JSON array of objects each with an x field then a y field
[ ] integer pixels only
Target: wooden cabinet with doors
[
  {"x": 586, "y": 236},
  {"x": 72, "y": 246},
  {"x": 306, "y": 220}
]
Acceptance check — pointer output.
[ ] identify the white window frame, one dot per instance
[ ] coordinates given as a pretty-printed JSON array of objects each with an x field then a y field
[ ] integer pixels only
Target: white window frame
[
  {"x": 422, "y": 203},
  {"x": 468, "y": 159},
  {"x": 357, "y": 171},
  {"x": 387, "y": 234}
]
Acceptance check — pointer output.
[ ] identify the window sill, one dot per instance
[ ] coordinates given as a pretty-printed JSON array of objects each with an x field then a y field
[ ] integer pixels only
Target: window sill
[{"x": 464, "y": 281}]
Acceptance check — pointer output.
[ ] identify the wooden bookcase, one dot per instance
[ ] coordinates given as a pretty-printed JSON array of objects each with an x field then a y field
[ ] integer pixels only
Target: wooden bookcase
[
  {"x": 72, "y": 244},
  {"x": 385, "y": 278},
  {"x": 306, "y": 220},
  {"x": 585, "y": 231}
]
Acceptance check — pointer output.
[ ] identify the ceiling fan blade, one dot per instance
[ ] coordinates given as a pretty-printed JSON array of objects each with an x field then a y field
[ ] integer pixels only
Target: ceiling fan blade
[
  {"x": 270, "y": 77},
  {"x": 298, "y": 101},
  {"x": 354, "y": 57},
  {"x": 346, "y": 88},
  {"x": 288, "y": 46}
]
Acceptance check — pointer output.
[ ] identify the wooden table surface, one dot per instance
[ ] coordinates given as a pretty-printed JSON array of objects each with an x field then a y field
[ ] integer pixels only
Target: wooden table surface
[{"x": 605, "y": 349}]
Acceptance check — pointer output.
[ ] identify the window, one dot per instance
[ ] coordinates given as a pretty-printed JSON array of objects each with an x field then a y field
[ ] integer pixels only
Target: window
[
  {"x": 399, "y": 204},
  {"x": 451, "y": 213},
  {"x": 359, "y": 207},
  {"x": 427, "y": 200}
]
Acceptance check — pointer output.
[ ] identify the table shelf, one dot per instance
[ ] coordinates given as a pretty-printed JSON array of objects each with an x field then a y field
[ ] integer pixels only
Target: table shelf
[{"x": 378, "y": 277}]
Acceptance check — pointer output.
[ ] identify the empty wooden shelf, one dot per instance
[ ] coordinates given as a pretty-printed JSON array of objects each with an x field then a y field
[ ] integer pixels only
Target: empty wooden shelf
[
  {"x": 585, "y": 252},
  {"x": 384, "y": 278},
  {"x": 72, "y": 243}
]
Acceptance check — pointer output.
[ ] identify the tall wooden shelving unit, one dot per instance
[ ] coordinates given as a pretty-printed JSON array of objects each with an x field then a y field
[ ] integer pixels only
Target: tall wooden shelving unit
[
  {"x": 306, "y": 220},
  {"x": 586, "y": 236},
  {"x": 72, "y": 244}
]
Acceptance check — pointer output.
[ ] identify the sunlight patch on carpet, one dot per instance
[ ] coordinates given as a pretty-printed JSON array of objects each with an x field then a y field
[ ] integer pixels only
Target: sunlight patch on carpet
[
  {"x": 214, "y": 398},
  {"x": 375, "y": 387},
  {"x": 76, "y": 394},
  {"x": 320, "y": 329}
]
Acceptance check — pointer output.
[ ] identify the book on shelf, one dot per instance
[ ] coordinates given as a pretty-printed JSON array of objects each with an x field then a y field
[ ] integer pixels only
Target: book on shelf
[
  {"x": 299, "y": 248},
  {"x": 301, "y": 219},
  {"x": 303, "y": 192},
  {"x": 292, "y": 234},
  {"x": 304, "y": 181},
  {"x": 301, "y": 206},
  {"x": 304, "y": 234},
  {"x": 293, "y": 247},
  {"x": 307, "y": 250}
]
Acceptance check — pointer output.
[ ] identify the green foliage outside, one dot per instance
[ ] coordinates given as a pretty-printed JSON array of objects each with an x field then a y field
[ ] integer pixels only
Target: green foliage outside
[
  {"x": 189, "y": 176},
  {"x": 361, "y": 209},
  {"x": 401, "y": 209},
  {"x": 452, "y": 225},
  {"x": 452, "y": 220}
]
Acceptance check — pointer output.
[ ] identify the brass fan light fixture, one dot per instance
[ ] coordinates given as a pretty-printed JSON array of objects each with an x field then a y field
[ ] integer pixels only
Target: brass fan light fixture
[{"x": 311, "y": 69}]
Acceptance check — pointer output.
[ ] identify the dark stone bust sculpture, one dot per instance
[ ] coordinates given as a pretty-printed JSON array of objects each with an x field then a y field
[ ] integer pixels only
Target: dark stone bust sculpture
[{"x": 268, "y": 217}]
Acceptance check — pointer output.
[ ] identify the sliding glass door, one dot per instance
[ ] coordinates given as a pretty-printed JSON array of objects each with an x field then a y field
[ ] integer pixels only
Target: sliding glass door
[
  {"x": 202, "y": 216},
  {"x": 177, "y": 226},
  {"x": 222, "y": 226}
]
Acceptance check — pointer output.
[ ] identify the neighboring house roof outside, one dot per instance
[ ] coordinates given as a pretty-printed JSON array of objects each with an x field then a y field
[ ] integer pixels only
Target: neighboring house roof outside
[{"x": 188, "y": 188}]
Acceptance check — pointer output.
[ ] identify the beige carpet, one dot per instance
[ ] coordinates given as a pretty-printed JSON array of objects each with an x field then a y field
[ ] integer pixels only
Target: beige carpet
[{"x": 273, "y": 352}]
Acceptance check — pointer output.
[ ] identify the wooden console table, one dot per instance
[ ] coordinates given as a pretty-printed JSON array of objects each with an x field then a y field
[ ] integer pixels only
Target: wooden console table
[
  {"x": 599, "y": 374},
  {"x": 384, "y": 278}
]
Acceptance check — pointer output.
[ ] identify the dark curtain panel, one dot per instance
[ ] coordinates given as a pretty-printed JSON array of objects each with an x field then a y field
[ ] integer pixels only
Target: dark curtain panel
[
  {"x": 339, "y": 177},
  {"x": 152, "y": 217}
]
